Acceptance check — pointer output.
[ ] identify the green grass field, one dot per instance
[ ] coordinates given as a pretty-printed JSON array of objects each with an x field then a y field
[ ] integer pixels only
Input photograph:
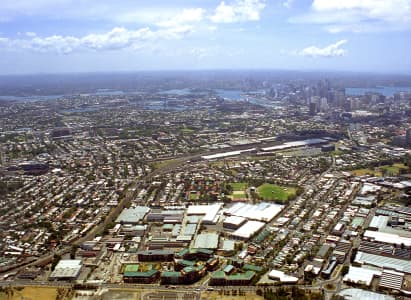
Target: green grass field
[
  {"x": 239, "y": 190},
  {"x": 187, "y": 130},
  {"x": 163, "y": 163},
  {"x": 239, "y": 195},
  {"x": 193, "y": 195},
  {"x": 238, "y": 186},
  {"x": 361, "y": 172},
  {"x": 269, "y": 191},
  {"x": 378, "y": 172},
  {"x": 394, "y": 169}
]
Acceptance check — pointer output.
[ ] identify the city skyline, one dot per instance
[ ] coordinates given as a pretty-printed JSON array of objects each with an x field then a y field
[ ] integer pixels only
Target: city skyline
[{"x": 93, "y": 36}]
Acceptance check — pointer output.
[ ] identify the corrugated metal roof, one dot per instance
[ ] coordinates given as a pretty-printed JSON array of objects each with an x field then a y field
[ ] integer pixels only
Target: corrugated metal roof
[{"x": 207, "y": 241}]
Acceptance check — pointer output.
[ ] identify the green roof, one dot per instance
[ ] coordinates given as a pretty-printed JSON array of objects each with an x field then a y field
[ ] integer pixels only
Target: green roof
[
  {"x": 202, "y": 250},
  {"x": 210, "y": 260},
  {"x": 193, "y": 251},
  {"x": 228, "y": 268},
  {"x": 247, "y": 276},
  {"x": 189, "y": 269},
  {"x": 156, "y": 252},
  {"x": 358, "y": 221},
  {"x": 187, "y": 263},
  {"x": 262, "y": 236},
  {"x": 200, "y": 267},
  {"x": 131, "y": 268},
  {"x": 133, "y": 249},
  {"x": 218, "y": 274},
  {"x": 141, "y": 274},
  {"x": 237, "y": 260},
  {"x": 183, "y": 252},
  {"x": 171, "y": 274},
  {"x": 249, "y": 267}
]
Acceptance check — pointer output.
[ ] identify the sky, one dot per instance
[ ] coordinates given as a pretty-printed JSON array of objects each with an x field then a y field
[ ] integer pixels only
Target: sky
[{"x": 60, "y": 36}]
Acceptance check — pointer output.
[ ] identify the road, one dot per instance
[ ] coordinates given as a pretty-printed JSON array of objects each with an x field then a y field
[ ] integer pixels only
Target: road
[
  {"x": 182, "y": 292},
  {"x": 157, "y": 288}
]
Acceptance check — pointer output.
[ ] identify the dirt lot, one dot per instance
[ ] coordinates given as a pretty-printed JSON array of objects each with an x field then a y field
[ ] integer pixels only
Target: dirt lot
[
  {"x": 33, "y": 293},
  {"x": 218, "y": 296}
]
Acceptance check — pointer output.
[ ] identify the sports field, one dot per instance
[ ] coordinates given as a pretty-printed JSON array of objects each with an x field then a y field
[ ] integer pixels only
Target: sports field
[
  {"x": 239, "y": 189},
  {"x": 269, "y": 191}
]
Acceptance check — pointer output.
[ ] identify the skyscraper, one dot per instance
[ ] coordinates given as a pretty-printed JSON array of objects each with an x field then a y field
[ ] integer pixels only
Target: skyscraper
[{"x": 408, "y": 137}]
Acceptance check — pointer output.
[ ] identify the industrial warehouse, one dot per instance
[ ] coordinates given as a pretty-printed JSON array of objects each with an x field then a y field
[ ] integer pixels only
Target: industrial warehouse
[{"x": 181, "y": 244}]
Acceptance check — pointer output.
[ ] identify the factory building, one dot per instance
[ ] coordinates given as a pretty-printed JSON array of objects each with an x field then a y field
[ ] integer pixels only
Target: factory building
[{"x": 66, "y": 269}]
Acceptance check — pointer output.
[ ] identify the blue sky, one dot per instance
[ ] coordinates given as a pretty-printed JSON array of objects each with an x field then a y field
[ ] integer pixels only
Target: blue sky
[{"x": 52, "y": 36}]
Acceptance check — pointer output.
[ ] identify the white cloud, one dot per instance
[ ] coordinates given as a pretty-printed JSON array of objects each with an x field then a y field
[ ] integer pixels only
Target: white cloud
[
  {"x": 117, "y": 12},
  {"x": 200, "y": 53},
  {"x": 4, "y": 41},
  {"x": 212, "y": 28},
  {"x": 124, "y": 12},
  {"x": 30, "y": 34},
  {"x": 116, "y": 39},
  {"x": 210, "y": 52},
  {"x": 359, "y": 15},
  {"x": 288, "y": 3},
  {"x": 388, "y": 10},
  {"x": 189, "y": 15},
  {"x": 332, "y": 50},
  {"x": 238, "y": 11}
]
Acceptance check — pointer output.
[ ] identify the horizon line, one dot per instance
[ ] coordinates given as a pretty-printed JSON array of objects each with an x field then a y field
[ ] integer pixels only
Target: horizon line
[{"x": 364, "y": 72}]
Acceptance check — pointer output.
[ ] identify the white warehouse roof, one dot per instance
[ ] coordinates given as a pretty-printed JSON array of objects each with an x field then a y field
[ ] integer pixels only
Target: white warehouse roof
[
  {"x": 210, "y": 212},
  {"x": 295, "y": 144},
  {"x": 227, "y": 154},
  {"x": 379, "y": 222},
  {"x": 261, "y": 212},
  {"x": 389, "y": 238},
  {"x": 361, "y": 275},
  {"x": 132, "y": 215},
  {"x": 233, "y": 220},
  {"x": 248, "y": 229},
  {"x": 202, "y": 209},
  {"x": 67, "y": 269},
  {"x": 384, "y": 262},
  {"x": 282, "y": 277}
]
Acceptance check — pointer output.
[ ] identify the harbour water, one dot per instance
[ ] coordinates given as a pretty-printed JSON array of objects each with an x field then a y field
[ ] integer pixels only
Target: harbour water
[{"x": 384, "y": 90}]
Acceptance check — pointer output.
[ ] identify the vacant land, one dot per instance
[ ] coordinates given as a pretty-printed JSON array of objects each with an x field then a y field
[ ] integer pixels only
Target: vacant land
[
  {"x": 30, "y": 293},
  {"x": 229, "y": 296},
  {"x": 269, "y": 191}
]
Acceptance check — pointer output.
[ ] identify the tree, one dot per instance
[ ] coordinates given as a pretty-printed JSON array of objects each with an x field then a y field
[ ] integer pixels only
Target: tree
[
  {"x": 73, "y": 251},
  {"x": 344, "y": 270},
  {"x": 337, "y": 297},
  {"x": 407, "y": 160},
  {"x": 353, "y": 254},
  {"x": 56, "y": 259}
]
